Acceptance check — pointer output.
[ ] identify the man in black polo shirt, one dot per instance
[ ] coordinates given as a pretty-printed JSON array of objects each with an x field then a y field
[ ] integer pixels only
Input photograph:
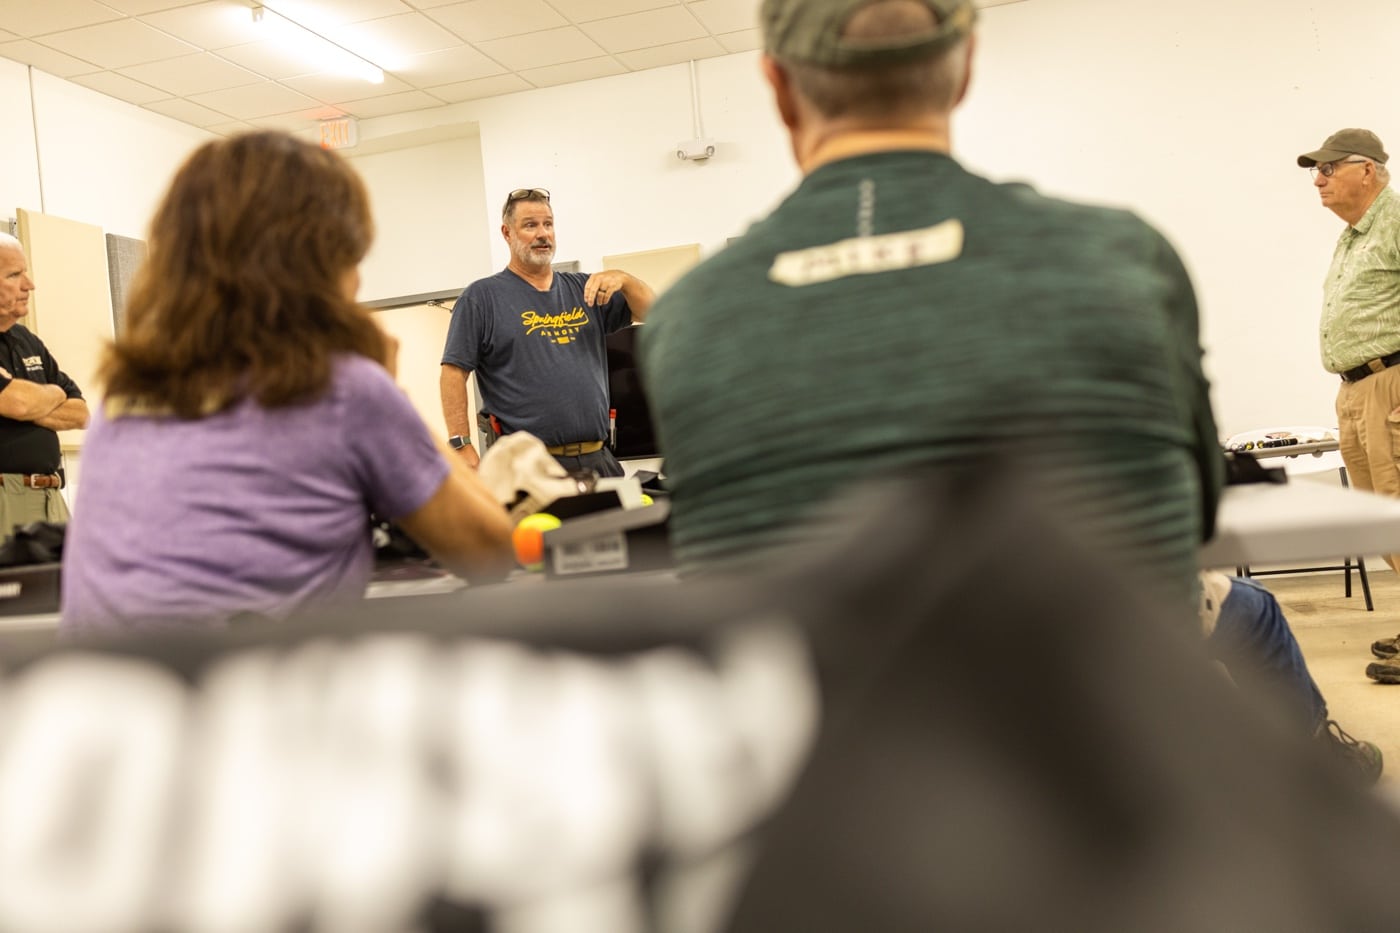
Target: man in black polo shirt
[{"x": 36, "y": 400}]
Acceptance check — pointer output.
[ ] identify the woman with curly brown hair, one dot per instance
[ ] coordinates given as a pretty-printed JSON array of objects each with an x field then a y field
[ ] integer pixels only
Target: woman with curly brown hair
[{"x": 251, "y": 422}]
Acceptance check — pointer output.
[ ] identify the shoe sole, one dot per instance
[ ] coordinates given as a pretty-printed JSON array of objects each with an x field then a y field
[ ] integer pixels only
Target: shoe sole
[{"x": 1383, "y": 673}]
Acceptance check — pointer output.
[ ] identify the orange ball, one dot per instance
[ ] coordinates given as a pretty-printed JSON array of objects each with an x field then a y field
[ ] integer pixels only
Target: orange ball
[{"x": 528, "y": 539}]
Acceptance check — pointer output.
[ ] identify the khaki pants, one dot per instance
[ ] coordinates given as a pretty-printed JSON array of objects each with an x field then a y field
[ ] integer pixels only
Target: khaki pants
[
  {"x": 1368, "y": 433},
  {"x": 20, "y": 505}
]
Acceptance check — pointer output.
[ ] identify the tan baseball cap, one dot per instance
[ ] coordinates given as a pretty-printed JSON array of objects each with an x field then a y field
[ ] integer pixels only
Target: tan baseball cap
[
  {"x": 809, "y": 31},
  {"x": 1344, "y": 143}
]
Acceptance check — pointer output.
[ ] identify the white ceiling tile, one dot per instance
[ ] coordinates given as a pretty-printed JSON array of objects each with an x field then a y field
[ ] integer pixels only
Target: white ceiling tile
[
  {"x": 539, "y": 49},
  {"x": 299, "y": 121},
  {"x": 120, "y": 87},
  {"x": 230, "y": 129},
  {"x": 191, "y": 74},
  {"x": 115, "y": 45},
  {"x": 581, "y": 11},
  {"x": 38, "y": 17},
  {"x": 480, "y": 20},
  {"x": 674, "y": 54},
  {"x": 188, "y": 112},
  {"x": 138, "y": 7},
  {"x": 210, "y": 25},
  {"x": 482, "y": 87},
  {"x": 334, "y": 88},
  {"x": 45, "y": 59},
  {"x": 255, "y": 100},
  {"x": 639, "y": 30},
  {"x": 398, "y": 103},
  {"x": 726, "y": 15},
  {"x": 746, "y": 40},
  {"x": 271, "y": 59},
  {"x": 573, "y": 71},
  {"x": 327, "y": 14},
  {"x": 210, "y": 52},
  {"x": 388, "y": 42},
  {"x": 446, "y": 67}
]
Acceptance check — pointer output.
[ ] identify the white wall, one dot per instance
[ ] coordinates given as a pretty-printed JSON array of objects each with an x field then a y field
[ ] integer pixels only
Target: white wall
[
  {"x": 1192, "y": 114},
  {"x": 103, "y": 161},
  {"x": 1189, "y": 113},
  {"x": 606, "y": 150},
  {"x": 19, "y": 179},
  {"x": 428, "y": 205}
]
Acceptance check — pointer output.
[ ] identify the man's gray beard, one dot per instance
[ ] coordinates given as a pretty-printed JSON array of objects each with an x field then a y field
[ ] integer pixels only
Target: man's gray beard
[{"x": 529, "y": 259}]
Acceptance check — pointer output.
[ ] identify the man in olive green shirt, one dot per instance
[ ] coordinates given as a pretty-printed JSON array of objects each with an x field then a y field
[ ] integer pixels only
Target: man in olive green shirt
[{"x": 1360, "y": 327}]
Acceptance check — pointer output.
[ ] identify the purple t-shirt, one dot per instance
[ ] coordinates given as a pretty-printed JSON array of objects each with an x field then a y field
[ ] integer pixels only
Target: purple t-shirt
[{"x": 251, "y": 509}]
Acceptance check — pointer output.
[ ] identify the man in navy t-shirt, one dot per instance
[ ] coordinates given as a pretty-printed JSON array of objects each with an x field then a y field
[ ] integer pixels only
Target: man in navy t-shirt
[{"x": 535, "y": 339}]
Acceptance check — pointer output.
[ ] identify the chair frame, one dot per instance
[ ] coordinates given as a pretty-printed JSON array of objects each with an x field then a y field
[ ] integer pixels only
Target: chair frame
[{"x": 1346, "y": 565}]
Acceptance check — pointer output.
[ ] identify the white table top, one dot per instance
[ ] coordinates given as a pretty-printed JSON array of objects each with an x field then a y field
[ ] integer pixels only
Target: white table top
[
  {"x": 1265, "y": 523},
  {"x": 1260, "y": 523}
]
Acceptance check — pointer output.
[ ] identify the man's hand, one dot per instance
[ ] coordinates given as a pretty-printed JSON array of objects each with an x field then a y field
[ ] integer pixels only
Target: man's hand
[
  {"x": 601, "y": 286},
  {"x": 469, "y": 456}
]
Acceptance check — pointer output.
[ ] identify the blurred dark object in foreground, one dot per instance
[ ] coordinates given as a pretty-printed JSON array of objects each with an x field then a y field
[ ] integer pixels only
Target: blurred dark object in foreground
[
  {"x": 31, "y": 569},
  {"x": 1015, "y": 740},
  {"x": 1242, "y": 468},
  {"x": 1010, "y": 738}
]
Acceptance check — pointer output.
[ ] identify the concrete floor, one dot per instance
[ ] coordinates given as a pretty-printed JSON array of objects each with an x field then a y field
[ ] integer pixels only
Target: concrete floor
[{"x": 1336, "y": 634}]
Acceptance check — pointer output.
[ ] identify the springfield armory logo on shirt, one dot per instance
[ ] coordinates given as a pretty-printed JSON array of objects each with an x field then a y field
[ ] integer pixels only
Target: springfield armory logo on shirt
[
  {"x": 868, "y": 255},
  {"x": 34, "y": 364},
  {"x": 558, "y": 328}
]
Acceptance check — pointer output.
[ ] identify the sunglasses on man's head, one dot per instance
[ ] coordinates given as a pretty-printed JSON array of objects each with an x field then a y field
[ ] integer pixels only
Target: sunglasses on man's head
[{"x": 521, "y": 194}]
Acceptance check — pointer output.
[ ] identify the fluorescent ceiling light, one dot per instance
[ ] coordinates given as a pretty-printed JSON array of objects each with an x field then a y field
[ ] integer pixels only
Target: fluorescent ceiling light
[{"x": 318, "y": 51}]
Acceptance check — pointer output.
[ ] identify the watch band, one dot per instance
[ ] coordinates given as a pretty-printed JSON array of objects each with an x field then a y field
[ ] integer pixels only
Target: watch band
[{"x": 458, "y": 441}]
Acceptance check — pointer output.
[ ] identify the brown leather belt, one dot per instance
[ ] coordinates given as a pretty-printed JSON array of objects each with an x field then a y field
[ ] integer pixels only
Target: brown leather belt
[
  {"x": 40, "y": 480},
  {"x": 576, "y": 450}
]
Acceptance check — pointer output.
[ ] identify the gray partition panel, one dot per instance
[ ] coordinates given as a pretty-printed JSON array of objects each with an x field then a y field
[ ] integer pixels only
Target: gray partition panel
[{"x": 124, "y": 255}]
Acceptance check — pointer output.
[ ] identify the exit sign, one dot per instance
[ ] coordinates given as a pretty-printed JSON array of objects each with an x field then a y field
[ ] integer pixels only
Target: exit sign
[{"x": 340, "y": 133}]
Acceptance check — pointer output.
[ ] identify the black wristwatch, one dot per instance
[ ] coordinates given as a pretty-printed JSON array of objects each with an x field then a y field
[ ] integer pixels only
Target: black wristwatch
[{"x": 458, "y": 441}]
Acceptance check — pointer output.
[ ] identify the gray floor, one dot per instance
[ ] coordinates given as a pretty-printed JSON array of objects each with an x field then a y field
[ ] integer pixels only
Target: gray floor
[{"x": 1336, "y": 634}]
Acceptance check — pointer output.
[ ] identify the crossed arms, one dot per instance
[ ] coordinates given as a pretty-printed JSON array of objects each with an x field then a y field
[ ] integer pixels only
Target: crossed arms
[{"x": 44, "y": 404}]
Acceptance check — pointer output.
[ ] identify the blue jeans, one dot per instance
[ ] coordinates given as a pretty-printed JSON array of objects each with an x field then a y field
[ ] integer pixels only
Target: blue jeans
[{"x": 1252, "y": 639}]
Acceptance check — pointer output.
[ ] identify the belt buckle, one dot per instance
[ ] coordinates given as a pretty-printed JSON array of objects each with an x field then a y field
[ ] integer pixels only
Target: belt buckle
[{"x": 34, "y": 480}]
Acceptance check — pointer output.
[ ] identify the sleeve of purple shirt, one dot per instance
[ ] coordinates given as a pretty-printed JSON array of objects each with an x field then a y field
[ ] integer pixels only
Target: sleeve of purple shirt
[{"x": 397, "y": 459}]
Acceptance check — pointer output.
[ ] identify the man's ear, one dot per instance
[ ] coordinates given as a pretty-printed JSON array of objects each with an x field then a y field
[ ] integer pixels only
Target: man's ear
[
  {"x": 505, "y": 232},
  {"x": 967, "y": 69},
  {"x": 777, "y": 78}
]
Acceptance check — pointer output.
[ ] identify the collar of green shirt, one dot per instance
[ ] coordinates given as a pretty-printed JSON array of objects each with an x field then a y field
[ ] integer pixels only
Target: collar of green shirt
[{"x": 1364, "y": 224}]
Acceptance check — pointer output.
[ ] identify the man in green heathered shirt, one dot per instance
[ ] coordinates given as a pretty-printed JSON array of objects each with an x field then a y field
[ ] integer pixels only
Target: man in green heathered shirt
[
  {"x": 897, "y": 310},
  {"x": 1360, "y": 326}
]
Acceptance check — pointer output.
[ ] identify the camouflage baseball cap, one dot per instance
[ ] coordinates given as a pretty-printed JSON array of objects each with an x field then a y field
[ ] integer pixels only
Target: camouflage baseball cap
[
  {"x": 809, "y": 31},
  {"x": 1344, "y": 143}
]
